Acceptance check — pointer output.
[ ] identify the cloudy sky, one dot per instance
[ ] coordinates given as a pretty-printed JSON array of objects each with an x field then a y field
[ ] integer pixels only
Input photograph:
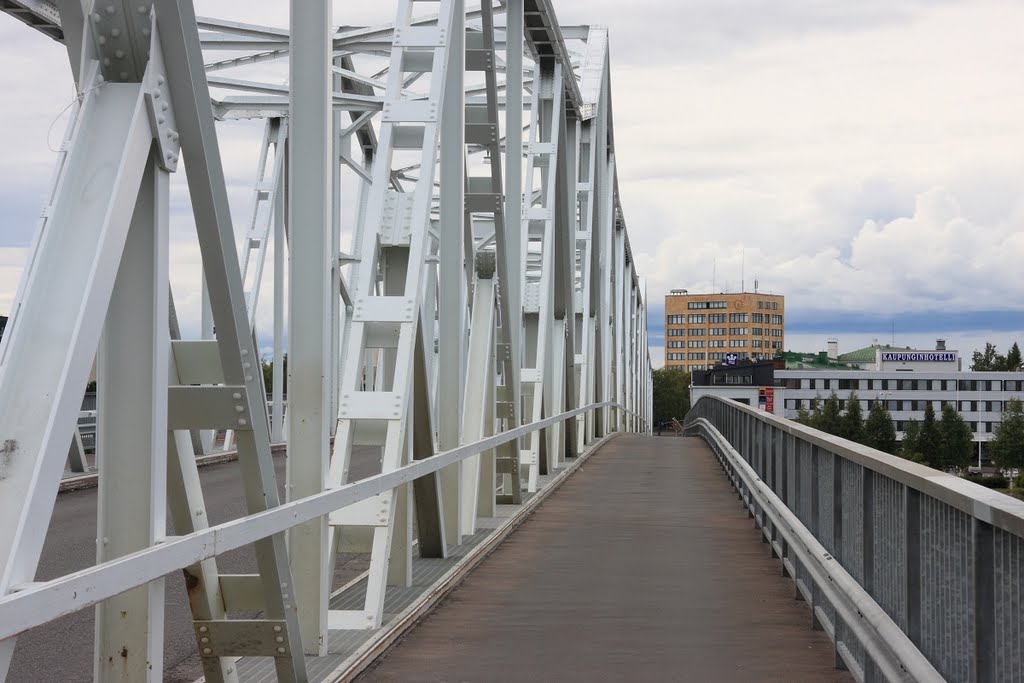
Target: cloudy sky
[{"x": 866, "y": 159}]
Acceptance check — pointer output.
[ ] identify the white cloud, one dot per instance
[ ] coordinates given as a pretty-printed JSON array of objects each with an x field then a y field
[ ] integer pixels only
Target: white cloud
[{"x": 858, "y": 156}]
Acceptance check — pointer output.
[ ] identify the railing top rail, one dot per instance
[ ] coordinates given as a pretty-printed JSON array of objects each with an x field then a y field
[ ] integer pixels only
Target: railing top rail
[
  {"x": 997, "y": 509},
  {"x": 39, "y": 603}
]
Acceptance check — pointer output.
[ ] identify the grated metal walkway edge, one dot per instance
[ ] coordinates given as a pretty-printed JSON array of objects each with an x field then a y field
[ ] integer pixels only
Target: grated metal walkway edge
[{"x": 349, "y": 652}]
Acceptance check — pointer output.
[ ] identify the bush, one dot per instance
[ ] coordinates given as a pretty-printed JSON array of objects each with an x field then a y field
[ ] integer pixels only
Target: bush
[
  {"x": 995, "y": 481},
  {"x": 1018, "y": 481}
]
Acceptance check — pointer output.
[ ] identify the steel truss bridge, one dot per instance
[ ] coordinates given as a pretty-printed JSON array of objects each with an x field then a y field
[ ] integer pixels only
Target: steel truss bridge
[{"x": 473, "y": 312}]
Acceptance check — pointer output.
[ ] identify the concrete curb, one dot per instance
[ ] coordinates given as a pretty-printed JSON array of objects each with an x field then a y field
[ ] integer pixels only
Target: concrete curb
[{"x": 91, "y": 480}]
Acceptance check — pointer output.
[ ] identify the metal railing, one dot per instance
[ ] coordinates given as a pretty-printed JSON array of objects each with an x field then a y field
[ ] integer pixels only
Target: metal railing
[
  {"x": 35, "y": 604},
  {"x": 915, "y": 574}
]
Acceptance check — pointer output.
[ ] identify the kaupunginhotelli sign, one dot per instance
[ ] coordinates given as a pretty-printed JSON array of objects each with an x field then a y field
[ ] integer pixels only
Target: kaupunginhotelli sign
[{"x": 917, "y": 357}]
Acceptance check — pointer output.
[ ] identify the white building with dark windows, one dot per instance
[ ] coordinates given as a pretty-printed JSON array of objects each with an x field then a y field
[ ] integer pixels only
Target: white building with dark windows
[
  {"x": 906, "y": 380},
  {"x": 978, "y": 396}
]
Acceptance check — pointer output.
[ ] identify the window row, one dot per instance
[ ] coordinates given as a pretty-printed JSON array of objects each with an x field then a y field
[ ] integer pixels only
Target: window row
[
  {"x": 737, "y": 317},
  {"x": 768, "y": 305},
  {"x": 903, "y": 384},
  {"x": 697, "y": 305},
  {"x": 737, "y": 330}
]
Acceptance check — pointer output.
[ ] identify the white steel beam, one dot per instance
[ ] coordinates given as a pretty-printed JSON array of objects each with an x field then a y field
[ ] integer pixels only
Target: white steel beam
[
  {"x": 311, "y": 265},
  {"x": 451, "y": 303},
  {"x": 131, "y": 437}
]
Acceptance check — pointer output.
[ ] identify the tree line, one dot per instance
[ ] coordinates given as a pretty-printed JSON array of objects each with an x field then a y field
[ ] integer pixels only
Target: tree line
[
  {"x": 671, "y": 394},
  {"x": 945, "y": 443},
  {"x": 991, "y": 359}
]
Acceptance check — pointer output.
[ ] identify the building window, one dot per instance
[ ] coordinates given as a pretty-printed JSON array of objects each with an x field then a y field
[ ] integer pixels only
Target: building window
[
  {"x": 695, "y": 319},
  {"x": 695, "y": 356},
  {"x": 716, "y": 318},
  {"x": 717, "y": 343},
  {"x": 737, "y": 317},
  {"x": 757, "y": 317},
  {"x": 777, "y": 345},
  {"x": 757, "y": 343},
  {"x": 675, "y": 333},
  {"x": 716, "y": 304},
  {"x": 695, "y": 344},
  {"x": 756, "y": 331},
  {"x": 716, "y": 331},
  {"x": 738, "y": 343},
  {"x": 737, "y": 330}
]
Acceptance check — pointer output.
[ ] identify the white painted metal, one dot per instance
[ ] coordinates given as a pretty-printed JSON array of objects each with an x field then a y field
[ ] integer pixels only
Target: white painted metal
[
  {"x": 475, "y": 297},
  {"x": 310, "y": 202}
]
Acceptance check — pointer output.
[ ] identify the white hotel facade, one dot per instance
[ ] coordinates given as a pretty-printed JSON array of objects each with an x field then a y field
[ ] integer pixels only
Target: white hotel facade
[{"x": 905, "y": 380}]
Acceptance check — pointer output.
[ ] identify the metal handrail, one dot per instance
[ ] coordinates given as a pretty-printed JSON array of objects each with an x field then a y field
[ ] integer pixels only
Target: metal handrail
[
  {"x": 937, "y": 557},
  {"x": 888, "y": 646},
  {"x": 35, "y": 604}
]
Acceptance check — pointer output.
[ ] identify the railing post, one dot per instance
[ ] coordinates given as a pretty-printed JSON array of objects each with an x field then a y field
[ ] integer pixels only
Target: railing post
[
  {"x": 984, "y": 602},
  {"x": 868, "y": 531},
  {"x": 912, "y": 536},
  {"x": 837, "y": 508}
]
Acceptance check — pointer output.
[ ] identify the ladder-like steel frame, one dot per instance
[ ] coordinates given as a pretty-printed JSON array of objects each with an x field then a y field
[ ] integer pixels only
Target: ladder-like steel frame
[{"x": 488, "y": 283}]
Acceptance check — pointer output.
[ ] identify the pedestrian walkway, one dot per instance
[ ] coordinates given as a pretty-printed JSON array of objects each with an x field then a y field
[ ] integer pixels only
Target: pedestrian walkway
[{"x": 642, "y": 567}]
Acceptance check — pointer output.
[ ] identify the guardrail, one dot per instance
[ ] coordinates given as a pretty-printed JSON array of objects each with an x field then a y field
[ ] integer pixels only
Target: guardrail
[
  {"x": 34, "y": 604},
  {"x": 915, "y": 574}
]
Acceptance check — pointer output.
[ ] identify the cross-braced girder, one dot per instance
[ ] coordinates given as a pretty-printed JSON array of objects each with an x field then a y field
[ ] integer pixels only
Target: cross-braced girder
[{"x": 452, "y": 287}]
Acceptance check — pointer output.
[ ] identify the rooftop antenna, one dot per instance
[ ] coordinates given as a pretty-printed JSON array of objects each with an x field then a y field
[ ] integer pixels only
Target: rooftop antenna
[
  {"x": 743, "y": 269},
  {"x": 755, "y": 284}
]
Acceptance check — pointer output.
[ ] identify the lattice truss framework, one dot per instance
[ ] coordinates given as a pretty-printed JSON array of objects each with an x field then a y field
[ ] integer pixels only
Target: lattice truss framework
[{"x": 472, "y": 290}]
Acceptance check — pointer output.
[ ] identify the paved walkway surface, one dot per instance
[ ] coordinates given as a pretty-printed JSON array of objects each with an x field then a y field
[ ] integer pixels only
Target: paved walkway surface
[{"x": 642, "y": 567}]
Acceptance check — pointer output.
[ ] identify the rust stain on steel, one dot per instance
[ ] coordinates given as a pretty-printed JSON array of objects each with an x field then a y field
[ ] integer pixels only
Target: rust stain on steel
[{"x": 643, "y": 567}]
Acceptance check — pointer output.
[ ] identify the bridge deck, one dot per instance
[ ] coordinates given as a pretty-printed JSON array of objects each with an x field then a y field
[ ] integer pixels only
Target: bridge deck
[{"x": 642, "y": 567}]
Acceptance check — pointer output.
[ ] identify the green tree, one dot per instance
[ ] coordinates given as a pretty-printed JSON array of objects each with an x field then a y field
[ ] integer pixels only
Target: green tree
[
  {"x": 1007, "y": 446},
  {"x": 910, "y": 447},
  {"x": 880, "y": 430},
  {"x": 853, "y": 420},
  {"x": 815, "y": 416},
  {"x": 929, "y": 440},
  {"x": 671, "y": 394},
  {"x": 268, "y": 373},
  {"x": 831, "y": 420},
  {"x": 989, "y": 359},
  {"x": 1013, "y": 359},
  {"x": 955, "y": 440}
]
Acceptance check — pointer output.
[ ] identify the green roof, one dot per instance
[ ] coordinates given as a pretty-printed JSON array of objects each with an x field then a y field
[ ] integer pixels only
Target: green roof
[
  {"x": 798, "y": 360},
  {"x": 867, "y": 354}
]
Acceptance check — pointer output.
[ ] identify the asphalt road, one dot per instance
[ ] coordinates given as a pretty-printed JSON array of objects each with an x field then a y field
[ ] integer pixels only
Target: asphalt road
[{"x": 61, "y": 651}]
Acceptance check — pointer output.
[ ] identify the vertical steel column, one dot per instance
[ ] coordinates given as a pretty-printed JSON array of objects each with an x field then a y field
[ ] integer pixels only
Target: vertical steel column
[
  {"x": 277, "y": 388},
  {"x": 309, "y": 361},
  {"x": 511, "y": 247},
  {"x": 451, "y": 303},
  {"x": 131, "y": 444}
]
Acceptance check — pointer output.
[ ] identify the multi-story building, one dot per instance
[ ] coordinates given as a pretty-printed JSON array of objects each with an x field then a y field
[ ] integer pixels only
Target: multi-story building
[
  {"x": 905, "y": 380},
  {"x": 703, "y": 330}
]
